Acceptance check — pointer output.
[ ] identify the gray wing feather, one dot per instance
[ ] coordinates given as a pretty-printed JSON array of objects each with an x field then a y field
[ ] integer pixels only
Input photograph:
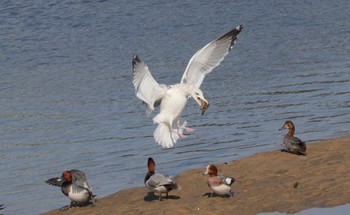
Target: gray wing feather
[
  {"x": 225, "y": 180},
  {"x": 159, "y": 180},
  {"x": 146, "y": 88},
  {"x": 210, "y": 56},
  {"x": 80, "y": 180},
  {"x": 294, "y": 145},
  {"x": 55, "y": 182}
]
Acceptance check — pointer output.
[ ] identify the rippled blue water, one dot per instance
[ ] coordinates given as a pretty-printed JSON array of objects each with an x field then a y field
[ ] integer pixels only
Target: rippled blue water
[
  {"x": 339, "y": 210},
  {"x": 67, "y": 99}
]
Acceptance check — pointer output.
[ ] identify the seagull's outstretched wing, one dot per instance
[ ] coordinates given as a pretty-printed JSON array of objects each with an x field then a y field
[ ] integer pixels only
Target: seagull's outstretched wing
[
  {"x": 146, "y": 88},
  {"x": 210, "y": 56}
]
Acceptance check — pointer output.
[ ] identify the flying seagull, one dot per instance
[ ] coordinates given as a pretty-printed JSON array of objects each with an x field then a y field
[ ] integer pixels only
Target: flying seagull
[{"x": 172, "y": 99}]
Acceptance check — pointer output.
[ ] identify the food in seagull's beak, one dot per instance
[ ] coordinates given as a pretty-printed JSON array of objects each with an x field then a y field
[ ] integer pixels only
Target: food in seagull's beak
[{"x": 204, "y": 106}]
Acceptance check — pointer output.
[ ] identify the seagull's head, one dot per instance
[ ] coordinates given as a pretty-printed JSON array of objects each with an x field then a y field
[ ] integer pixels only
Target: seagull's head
[{"x": 197, "y": 95}]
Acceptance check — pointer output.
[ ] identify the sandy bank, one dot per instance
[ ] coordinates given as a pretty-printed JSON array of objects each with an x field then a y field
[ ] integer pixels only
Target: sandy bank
[{"x": 264, "y": 182}]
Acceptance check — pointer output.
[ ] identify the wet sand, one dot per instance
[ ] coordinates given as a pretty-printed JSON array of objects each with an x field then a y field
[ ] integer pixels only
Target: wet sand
[{"x": 265, "y": 182}]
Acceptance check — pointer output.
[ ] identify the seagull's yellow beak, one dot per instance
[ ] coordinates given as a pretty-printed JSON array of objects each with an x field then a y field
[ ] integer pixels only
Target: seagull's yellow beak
[
  {"x": 199, "y": 101},
  {"x": 203, "y": 106},
  {"x": 205, "y": 103}
]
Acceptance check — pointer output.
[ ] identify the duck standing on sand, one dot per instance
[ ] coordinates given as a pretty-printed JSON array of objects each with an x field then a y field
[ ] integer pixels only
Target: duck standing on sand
[
  {"x": 290, "y": 143},
  {"x": 158, "y": 183},
  {"x": 75, "y": 185},
  {"x": 218, "y": 184}
]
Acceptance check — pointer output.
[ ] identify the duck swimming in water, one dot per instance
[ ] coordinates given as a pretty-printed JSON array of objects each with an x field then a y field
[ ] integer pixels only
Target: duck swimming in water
[
  {"x": 158, "y": 183},
  {"x": 75, "y": 185},
  {"x": 290, "y": 143},
  {"x": 218, "y": 184}
]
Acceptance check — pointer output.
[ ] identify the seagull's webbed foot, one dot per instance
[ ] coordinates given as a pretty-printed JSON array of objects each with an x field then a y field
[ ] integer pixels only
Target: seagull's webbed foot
[
  {"x": 187, "y": 129},
  {"x": 182, "y": 135}
]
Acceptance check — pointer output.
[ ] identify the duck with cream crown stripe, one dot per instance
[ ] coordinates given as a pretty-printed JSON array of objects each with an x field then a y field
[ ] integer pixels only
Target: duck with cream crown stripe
[
  {"x": 172, "y": 99},
  {"x": 290, "y": 143},
  {"x": 75, "y": 185},
  {"x": 218, "y": 184},
  {"x": 157, "y": 182}
]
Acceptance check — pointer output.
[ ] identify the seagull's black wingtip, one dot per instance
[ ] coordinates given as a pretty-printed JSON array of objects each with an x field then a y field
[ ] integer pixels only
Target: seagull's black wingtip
[{"x": 136, "y": 59}]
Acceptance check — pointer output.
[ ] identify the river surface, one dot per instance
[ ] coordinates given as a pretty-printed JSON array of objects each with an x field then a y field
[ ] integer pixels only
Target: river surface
[
  {"x": 338, "y": 210},
  {"x": 67, "y": 98}
]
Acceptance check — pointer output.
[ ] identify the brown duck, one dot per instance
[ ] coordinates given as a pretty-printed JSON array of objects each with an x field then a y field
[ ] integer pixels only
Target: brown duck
[{"x": 290, "y": 143}]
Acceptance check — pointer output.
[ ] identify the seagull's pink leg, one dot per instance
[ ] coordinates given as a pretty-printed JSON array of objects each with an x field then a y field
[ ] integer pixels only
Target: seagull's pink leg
[
  {"x": 189, "y": 129},
  {"x": 182, "y": 135},
  {"x": 178, "y": 131},
  {"x": 183, "y": 126}
]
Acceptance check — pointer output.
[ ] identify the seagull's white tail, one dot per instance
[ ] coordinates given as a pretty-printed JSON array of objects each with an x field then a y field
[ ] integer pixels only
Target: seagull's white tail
[{"x": 165, "y": 136}]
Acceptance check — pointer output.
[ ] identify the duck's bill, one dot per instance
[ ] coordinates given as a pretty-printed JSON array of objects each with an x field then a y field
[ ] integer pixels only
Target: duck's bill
[
  {"x": 204, "y": 106},
  {"x": 282, "y": 128}
]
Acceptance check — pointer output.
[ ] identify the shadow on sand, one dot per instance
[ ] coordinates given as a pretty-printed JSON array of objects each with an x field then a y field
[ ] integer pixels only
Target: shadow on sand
[
  {"x": 208, "y": 195},
  {"x": 151, "y": 197}
]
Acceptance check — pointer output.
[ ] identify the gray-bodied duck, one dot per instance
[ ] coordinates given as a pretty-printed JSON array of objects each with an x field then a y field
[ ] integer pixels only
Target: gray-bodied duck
[
  {"x": 290, "y": 143},
  {"x": 74, "y": 185},
  {"x": 157, "y": 182}
]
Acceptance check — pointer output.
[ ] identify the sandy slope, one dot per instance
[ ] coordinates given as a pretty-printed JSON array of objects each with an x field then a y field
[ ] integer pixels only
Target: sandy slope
[{"x": 268, "y": 181}]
